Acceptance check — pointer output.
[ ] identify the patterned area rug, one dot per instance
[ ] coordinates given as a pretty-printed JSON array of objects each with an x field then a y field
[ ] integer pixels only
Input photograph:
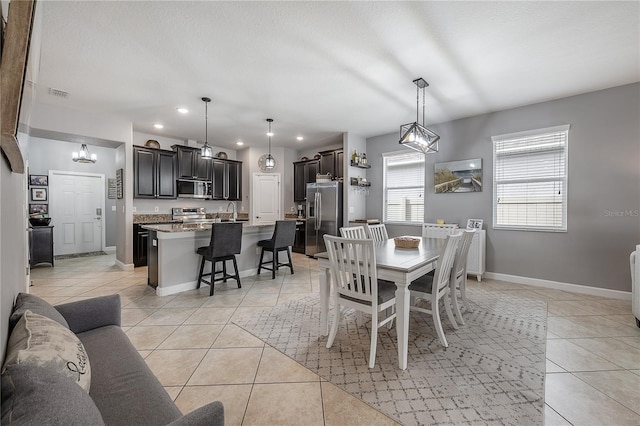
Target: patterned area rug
[
  {"x": 72, "y": 256},
  {"x": 491, "y": 373}
]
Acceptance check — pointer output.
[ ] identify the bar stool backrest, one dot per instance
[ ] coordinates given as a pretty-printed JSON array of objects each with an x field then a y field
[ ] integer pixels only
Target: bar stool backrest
[{"x": 226, "y": 239}]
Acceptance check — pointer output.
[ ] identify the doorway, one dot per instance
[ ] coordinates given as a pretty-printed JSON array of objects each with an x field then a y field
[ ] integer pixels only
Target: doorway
[
  {"x": 76, "y": 208},
  {"x": 266, "y": 198}
]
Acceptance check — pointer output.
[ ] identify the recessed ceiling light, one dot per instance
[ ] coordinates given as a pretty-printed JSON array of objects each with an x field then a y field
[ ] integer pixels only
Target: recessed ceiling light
[
  {"x": 158, "y": 126},
  {"x": 270, "y": 133},
  {"x": 182, "y": 110},
  {"x": 239, "y": 143},
  {"x": 300, "y": 138}
]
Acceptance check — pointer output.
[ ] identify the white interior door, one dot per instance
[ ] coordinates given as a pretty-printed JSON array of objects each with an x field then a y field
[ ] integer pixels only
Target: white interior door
[
  {"x": 76, "y": 208},
  {"x": 266, "y": 197}
]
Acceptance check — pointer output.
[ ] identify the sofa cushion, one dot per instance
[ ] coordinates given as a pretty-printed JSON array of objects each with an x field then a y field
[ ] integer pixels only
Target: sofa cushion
[
  {"x": 122, "y": 386},
  {"x": 36, "y": 305},
  {"x": 40, "y": 341},
  {"x": 34, "y": 395}
]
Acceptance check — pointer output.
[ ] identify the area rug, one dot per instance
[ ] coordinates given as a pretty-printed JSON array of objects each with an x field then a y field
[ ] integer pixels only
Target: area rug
[
  {"x": 73, "y": 256},
  {"x": 491, "y": 373}
]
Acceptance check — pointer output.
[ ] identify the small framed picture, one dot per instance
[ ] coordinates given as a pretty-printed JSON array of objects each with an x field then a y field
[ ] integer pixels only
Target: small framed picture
[
  {"x": 474, "y": 224},
  {"x": 38, "y": 180},
  {"x": 39, "y": 208},
  {"x": 38, "y": 194}
]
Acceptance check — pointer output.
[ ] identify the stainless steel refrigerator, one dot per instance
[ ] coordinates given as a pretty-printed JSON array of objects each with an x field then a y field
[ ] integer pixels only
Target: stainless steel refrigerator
[{"x": 324, "y": 214}]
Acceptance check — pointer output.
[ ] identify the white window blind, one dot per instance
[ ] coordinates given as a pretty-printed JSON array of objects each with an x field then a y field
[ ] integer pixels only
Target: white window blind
[
  {"x": 530, "y": 180},
  {"x": 403, "y": 187}
]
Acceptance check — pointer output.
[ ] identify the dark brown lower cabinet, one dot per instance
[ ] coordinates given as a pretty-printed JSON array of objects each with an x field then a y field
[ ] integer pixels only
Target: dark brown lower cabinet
[{"x": 41, "y": 245}]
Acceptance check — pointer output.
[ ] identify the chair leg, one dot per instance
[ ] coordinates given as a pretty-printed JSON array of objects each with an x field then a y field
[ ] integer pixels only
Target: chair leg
[
  {"x": 456, "y": 305},
  {"x": 290, "y": 262},
  {"x": 438, "y": 324},
  {"x": 235, "y": 266},
  {"x": 336, "y": 322},
  {"x": 374, "y": 339},
  {"x": 201, "y": 271},
  {"x": 393, "y": 311},
  {"x": 274, "y": 264},
  {"x": 463, "y": 291},
  {"x": 261, "y": 257},
  {"x": 224, "y": 271},
  {"x": 447, "y": 307}
]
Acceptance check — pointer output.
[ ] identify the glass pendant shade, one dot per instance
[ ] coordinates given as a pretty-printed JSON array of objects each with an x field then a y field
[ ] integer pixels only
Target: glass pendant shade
[
  {"x": 206, "y": 151},
  {"x": 83, "y": 155},
  {"x": 415, "y": 135},
  {"x": 269, "y": 162}
]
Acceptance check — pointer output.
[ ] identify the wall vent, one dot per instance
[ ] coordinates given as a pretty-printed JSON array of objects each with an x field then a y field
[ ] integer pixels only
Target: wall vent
[{"x": 59, "y": 93}]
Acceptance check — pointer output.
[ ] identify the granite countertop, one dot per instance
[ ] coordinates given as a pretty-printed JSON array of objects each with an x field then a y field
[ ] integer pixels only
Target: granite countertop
[
  {"x": 149, "y": 218},
  {"x": 191, "y": 227}
]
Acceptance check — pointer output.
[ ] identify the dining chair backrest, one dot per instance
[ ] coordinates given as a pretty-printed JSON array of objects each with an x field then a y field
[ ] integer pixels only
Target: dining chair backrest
[
  {"x": 442, "y": 273},
  {"x": 434, "y": 230},
  {"x": 354, "y": 232},
  {"x": 460, "y": 262},
  {"x": 353, "y": 267},
  {"x": 377, "y": 232}
]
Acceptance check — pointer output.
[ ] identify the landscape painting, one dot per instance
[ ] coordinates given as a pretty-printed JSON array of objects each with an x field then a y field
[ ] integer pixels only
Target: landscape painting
[{"x": 458, "y": 176}]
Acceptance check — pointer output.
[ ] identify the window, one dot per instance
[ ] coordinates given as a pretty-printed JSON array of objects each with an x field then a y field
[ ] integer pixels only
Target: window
[
  {"x": 530, "y": 180},
  {"x": 403, "y": 177}
]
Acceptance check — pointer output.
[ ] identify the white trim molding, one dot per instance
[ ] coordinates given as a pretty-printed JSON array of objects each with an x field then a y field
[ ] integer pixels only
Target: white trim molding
[
  {"x": 575, "y": 288},
  {"x": 109, "y": 249},
  {"x": 124, "y": 266}
]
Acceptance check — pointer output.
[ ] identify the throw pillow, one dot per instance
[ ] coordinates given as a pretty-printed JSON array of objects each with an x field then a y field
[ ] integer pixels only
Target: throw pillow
[
  {"x": 36, "y": 305},
  {"x": 38, "y": 340},
  {"x": 36, "y": 396}
]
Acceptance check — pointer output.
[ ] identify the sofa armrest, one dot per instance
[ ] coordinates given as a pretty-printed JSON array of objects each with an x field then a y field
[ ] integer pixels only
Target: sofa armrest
[
  {"x": 93, "y": 313},
  {"x": 211, "y": 414}
]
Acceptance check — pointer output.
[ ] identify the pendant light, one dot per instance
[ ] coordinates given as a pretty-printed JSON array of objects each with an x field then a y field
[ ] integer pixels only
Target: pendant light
[
  {"x": 83, "y": 156},
  {"x": 270, "y": 162},
  {"x": 206, "y": 152},
  {"x": 415, "y": 135}
]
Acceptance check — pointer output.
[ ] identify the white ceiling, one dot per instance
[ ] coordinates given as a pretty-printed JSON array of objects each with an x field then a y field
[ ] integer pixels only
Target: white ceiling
[{"x": 323, "y": 68}]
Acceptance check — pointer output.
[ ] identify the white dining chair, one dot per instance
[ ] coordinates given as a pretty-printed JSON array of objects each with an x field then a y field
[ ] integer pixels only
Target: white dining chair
[
  {"x": 353, "y": 232},
  {"x": 377, "y": 232},
  {"x": 356, "y": 286},
  {"x": 436, "y": 287},
  {"x": 434, "y": 230},
  {"x": 459, "y": 274}
]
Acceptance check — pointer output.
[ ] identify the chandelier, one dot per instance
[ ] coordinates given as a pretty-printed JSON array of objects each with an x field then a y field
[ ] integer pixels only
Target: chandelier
[
  {"x": 206, "y": 152},
  {"x": 415, "y": 135},
  {"x": 269, "y": 162},
  {"x": 83, "y": 156}
]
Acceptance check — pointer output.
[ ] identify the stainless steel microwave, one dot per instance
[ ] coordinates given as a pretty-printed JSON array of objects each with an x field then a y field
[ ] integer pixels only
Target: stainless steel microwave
[{"x": 194, "y": 189}]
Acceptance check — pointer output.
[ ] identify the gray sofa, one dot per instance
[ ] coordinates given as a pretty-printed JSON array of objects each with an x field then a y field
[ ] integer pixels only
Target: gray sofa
[{"x": 123, "y": 389}]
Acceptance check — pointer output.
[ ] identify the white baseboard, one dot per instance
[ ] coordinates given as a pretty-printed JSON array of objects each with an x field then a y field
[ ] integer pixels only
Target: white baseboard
[
  {"x": 191, "y": 285},
  {"x": 109, "y": 249},
  {"x": 124, "y": 266},
  {"x": 576, "y": 288}
]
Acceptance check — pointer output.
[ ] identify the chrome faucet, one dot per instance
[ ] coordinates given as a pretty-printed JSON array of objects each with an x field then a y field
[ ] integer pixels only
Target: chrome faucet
[{"x": 235, "y": 215}]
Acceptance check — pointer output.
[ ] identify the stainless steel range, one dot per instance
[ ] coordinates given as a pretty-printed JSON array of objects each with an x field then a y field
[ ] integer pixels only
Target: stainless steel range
[{"x": 191, "y": 215}]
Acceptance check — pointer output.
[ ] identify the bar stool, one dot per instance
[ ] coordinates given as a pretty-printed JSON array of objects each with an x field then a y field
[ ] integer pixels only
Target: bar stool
[
  {"x": 283, "y": 237},
  {"x": 226, "y": 240}
]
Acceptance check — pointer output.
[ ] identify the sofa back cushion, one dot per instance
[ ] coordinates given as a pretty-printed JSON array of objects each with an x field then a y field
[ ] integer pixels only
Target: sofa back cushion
[
  {"x": 40, "y": 341},
  {"x": 38, "y": 396},
  {"x": 25, "y": 302}
]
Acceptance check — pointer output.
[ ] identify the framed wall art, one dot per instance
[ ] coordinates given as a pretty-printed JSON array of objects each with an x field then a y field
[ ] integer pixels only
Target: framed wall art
[
  {"x": 474, "y": 224},
  {"x": 38, "y": 209},
  {"x": 38, "y": 194},
  {"x": 38, "y": 180},
  {"x": 458, "y": 176}
]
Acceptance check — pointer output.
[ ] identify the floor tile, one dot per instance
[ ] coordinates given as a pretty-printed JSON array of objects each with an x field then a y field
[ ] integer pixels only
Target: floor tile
[
  {"x": 613, "y": 350},
  {"x": 174, "y": 367},
  {"x": 151, "y": 301},
  {"x": 572, "y": 357},
  {"x": 259, "y": 299},
  {"x": 582, "y": 404},
  {"x": 233, "y": 336},
  {"x": 619, "y": 385},
  {"x": 210, "y": 316},
  {"x": 227, "y": 366},
  {"x": 567, "y": 327},
  {"x": 554, "y": 368},
  {"x": 275, "y": 367},
  {"x": 224, "y": 300},
  {"x": 285, "y": 404},
  {"x": 175, "y": 316},
  {"x": 632, "y": 341},
  {"x": 149, "y": 337},
  {"x": 173, "y": 391},
  {"x": 551, "y": 418},
  {"x": 233, "y": 397},
  {"x": 192, "y": 337},
  {"x": 131, "y": 317},
  {"x": 341, "y": 408}
]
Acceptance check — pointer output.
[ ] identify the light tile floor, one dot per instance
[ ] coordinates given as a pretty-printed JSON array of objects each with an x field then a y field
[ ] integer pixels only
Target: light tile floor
[{"x": 593, "y": 347}]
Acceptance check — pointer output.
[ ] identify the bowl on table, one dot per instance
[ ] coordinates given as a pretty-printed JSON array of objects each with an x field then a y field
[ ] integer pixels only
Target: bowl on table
[{"x": 39, "y": 221}]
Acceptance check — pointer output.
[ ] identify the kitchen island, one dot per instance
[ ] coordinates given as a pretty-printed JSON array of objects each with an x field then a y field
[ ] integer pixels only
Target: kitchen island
[{"x": 173, "y": 263}]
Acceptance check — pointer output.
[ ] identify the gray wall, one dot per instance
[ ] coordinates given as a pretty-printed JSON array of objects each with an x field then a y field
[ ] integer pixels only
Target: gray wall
[
  {"x": 48, "y": 154},
  {"x": 604, "y": 182}
]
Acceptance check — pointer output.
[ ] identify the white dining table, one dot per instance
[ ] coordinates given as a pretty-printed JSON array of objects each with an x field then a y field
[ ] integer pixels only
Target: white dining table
[{"x": 398, "y": 265}]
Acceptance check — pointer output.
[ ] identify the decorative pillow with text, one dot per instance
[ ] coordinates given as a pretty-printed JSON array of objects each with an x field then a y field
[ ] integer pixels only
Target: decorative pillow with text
[{"x": 38, "y": 340}]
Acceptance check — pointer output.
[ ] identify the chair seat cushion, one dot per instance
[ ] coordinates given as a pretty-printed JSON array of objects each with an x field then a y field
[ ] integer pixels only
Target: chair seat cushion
[
  {"x": 386, "y": 292},
  {"x": 424, "y": 284}
]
